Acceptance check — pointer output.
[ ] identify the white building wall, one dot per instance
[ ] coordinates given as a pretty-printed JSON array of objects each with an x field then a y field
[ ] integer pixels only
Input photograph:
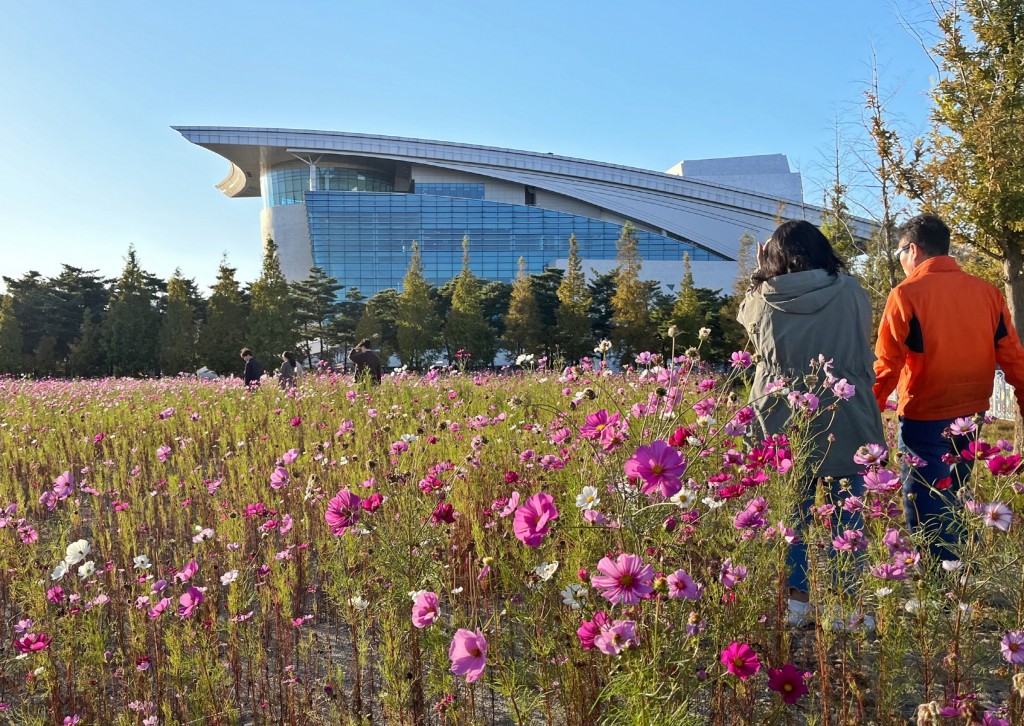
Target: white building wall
[
  {"x": 289, "y": 228},
  {"x": 495, "y": 190}
]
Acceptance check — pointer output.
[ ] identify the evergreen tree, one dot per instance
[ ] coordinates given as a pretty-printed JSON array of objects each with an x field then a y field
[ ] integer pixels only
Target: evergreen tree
[
  {"x": 44, "y": 357},
  {"x": 574, "y": 300},
  {"x": 419, "y": 327},
  {"x": 87, "y": 356},
  {"x": 272, "y": 310},
  {"x": 178, "y": 334},
  {"x": 380, "y": 323},
  {"x": 746, "y": 263},
  {"x": 34, "y": 302},
  {"x": 12, "y": 359},
  {"x": 523, "y": 330},
  {"x": 602, "y": 288},
  {"x": 631, "y": 320},
  {"x": 316, "y": 305},
  {"x": 687, "y": 313},
  {"x": 466, "y": 329},
  {"x": 341, "y": 331},
  {"x": 132, "y": 322},
  {"x": 545, "y": 286},
  {"x": 224, "y": 332},
  {"x": 76, "y": 293}
]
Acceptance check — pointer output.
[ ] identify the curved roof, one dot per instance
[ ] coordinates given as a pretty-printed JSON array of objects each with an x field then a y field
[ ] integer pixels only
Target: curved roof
[{"x": 710, "y": 215}]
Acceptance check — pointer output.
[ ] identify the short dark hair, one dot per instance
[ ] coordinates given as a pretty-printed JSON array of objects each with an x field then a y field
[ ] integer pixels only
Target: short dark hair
[
  {"x": 926, "y": 231},
  {"x": 365, "y": 343},
  {"x": 245, "y": 352},
  {"x": 797, "y": 246}
]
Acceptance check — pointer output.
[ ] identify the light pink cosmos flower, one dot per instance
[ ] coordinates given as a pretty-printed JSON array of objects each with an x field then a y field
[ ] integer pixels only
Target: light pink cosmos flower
[
  {"x": 279, "y": 477},
  {"x": 616, "y": 636},
  {"x": 468, "y": 654},
  {"x": 342, "y": 512},
  {"x": 998, "y": 515},
  {"x": 844, "y": 389},
  {"x": 870, "y": 454},
  {"x": 731, "y": 575},
  {"x": 290, "y": 456},
  {"x": 425, "y": 609},
  {"x": 64, "y": 485},
  {"x": 163, "y": 453},
  {"x": 625, "y": 580},
  {"x": 1012, "y": 646},
  {"x": 658, "y": 466},
  {"x": 882, "y": 481},
  {"x": 189, "y": 602},
  {"x": 681, "y": 585},
  {"x": 532, "y": 519},
  {"x": 155, "y": 611},
  {"x": 187, "y": 572},
  {"x": 510, "y": 506}
]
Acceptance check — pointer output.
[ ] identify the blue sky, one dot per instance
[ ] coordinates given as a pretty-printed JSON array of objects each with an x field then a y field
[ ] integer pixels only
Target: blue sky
[{"x": 89, "y": 163}]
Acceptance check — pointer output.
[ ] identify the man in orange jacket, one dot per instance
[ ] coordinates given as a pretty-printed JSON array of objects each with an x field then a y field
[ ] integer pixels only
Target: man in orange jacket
[{"x": 941, "y": 336}]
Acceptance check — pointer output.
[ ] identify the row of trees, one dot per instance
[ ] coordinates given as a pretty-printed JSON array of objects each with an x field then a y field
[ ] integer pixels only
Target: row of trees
[{"x": 79, "y": 324}]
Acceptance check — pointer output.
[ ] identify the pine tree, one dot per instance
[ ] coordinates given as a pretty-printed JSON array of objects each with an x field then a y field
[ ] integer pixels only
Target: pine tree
[
  {"x": 631, "y": 321},
  {"x": 44, "y": 357},
  {"x": 341, "y": 331},
  {"x": 316, "y": 305},
  {"x": 11, "y": 358},
  {"x": 419, "y": 327},
  {"x": 573, "y": 316},
  {"x": 380, "y": 323},
  {"x": 466, "y": 329},
  {"x": 687, "y": 314},
  {"x": 76, "y": 293},
  {"x": 523, "y": 331},
  {"x": 178, "y": 334},
  {"x": 602, "y": 289},
  {"x": 87, "y": 356},
  {"x": 223, "y": 333},
  {"x": 272, "y": 309},
  {"x": 132, "y": 322}
]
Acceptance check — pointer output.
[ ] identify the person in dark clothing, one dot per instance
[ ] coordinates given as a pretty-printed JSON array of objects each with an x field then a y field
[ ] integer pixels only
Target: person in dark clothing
[
  {"x": 366, "y": 361},
  {"x": 289, "y": 369},
  {"x": 253, "y": 369}
]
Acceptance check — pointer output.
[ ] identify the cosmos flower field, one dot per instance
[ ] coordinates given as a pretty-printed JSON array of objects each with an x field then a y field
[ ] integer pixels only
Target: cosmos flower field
[{"x": 568, "y": 546}]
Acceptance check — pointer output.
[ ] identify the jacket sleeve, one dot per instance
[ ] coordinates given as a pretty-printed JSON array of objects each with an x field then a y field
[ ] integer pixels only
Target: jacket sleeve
[
  {"x": 890, "y": 348},
  {"x": 1009, "y": 354},
  {"x": 749, "y": 312}
]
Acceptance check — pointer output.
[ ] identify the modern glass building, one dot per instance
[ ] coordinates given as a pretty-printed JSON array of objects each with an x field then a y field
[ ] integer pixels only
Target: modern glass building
[{"x": 353, "y": 204}]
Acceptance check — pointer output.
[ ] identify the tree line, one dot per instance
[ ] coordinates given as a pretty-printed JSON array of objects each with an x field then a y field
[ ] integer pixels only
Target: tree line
[{"x": 80, "y": 324}]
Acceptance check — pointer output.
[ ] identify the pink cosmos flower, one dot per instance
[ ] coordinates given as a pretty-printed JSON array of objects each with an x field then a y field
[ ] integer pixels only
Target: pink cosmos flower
[
  {"x": 187, "y": 572},
  {"x": 616, "y": 636},
  {"x": 788, "y": 681},
  {"x": 870, "y": 455},
  {"x": 590, "y": 629},
  {"x": 998, "y": 515},
  {"x": 881, "y": 481},
  {"x": 510, "y": 506},
  {"x": 279, "y": 477},
  {"x": 1012, "y": 646},
  {"x": 468, "y": 654},
  {"x": 740, "y": 660},
  {"x": 731, "y": 575},
  {"x": 1001, "y": 465},
  {"x": 163, "y": 453},
  {"x": 844, "y": 390},
  {"x": 740, "y": 359},
  {"x": 290, "y": 456},
  {"x": 681, "y": 585},
  {"x": 625, "y": 580},
  {"x": 963, "y": 426},
  {"x": 33, "y": 642},
  {"x": 158, "y": 609},
  {"x": 425, "y": 609},
  {"x": 63, "y": 485},
  {"x": 597, "y": 422},
  {"x": 189, "y": 602},
  {"x": 532, "y": 519},
  {"x": 658, "y": 466},
  {"x": 342, "y": 512},
  {"x": 889, "y": 571}
]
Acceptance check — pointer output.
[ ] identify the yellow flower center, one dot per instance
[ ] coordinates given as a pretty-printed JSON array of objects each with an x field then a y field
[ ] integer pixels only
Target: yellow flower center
[
  {"x": 657, "y": 469},
  {"x": 788, "y": 687},
  {"x": 626, "y": 580}
]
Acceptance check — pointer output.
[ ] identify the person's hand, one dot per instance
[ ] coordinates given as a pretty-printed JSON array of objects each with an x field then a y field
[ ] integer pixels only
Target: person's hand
[{"x": 760, "y": 253}]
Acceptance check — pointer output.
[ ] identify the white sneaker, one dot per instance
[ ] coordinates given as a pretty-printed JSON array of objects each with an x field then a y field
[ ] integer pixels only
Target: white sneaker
[{"x": 800, "y": 614}]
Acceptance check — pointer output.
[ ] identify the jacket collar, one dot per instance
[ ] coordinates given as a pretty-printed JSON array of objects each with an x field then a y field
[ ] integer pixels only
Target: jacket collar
[{"x": 942, "y": 263}]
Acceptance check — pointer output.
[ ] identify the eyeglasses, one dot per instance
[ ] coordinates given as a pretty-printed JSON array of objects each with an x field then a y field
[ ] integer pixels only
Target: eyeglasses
[{"x": 901, "y": 250}]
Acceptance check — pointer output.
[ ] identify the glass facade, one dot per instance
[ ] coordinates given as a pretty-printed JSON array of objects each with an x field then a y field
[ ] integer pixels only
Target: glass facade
[
  {"x": 365, "y": 240},
  {"x": 466, "y": 191},
  {"x": 288, "y": 185}
]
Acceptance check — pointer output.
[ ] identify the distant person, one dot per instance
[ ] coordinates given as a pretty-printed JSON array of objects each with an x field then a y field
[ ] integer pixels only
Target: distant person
[
  {"x": 802, "y": 305},
  {"x": 205, "y": 374},
  {"x": 366, "y": 361},
  {"x": 253, "y": 369},
  {"x": 289, "y": 370},
  {"x": 941, "y": 336}
]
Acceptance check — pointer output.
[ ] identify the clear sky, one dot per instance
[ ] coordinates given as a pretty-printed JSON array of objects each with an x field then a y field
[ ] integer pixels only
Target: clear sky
[{"x": 89, "y": 91}]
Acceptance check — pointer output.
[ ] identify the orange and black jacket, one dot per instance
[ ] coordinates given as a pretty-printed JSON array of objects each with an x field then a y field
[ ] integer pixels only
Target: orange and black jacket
[{"x": 941, "y": 336}]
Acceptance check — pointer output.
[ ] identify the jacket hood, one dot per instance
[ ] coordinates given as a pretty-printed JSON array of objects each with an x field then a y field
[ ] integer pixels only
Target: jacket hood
[{"x": 802, "y": 293}]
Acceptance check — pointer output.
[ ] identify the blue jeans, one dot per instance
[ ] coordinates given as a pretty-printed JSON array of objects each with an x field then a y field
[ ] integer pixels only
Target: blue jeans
[
  {"x": 796, "y": 558},
  {"x": 931, "y": 511}
]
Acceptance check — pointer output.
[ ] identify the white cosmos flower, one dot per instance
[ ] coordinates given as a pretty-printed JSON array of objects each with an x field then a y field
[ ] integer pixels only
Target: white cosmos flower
[
  {"x": 883, "y": 591},
  {"x": 684, "y": 498},
  {"x": 546, "y": 571},
  {"x": 358, "y": 602},
  {"x": 77, "y": 551},
  {"x": 587, "y": 498},
  {"x": 712, "y": 504},
  {"x": 59, "y": 571},
  {"x": 572, "y": 594},
  {"x": 951, "y": 565},
  {"x": 415, "y": 594},
  {"x": 228, "y": 577},
  {"x": 142, "y": 562},
  {"x": 86, "y": 569}
]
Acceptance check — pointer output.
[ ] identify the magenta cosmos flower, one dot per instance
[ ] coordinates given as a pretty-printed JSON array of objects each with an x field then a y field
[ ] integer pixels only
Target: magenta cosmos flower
[
  {"x": 425, "y": 609},
  {"x": 33, "y": 642},
  {"x": 625, "y": 580},
  {"x": 788, "y": 681},
  {"x": 532, "y": 519},
  {"x": 658, "y": 466},
  {"x": 342, "y": 512},
  {"x": 468, "y": 654},
  {"x": 597, "y": 422},
  {"x": 1012, "y": 646},
  {"x": 740, "y": 660},
  {"x": 616, "y": 636}
]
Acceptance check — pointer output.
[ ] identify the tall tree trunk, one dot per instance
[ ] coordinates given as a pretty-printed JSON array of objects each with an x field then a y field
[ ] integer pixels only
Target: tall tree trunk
[{"x": 1013, "y": 278}]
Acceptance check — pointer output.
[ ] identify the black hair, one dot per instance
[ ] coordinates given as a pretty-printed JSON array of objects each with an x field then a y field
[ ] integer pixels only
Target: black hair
[
  {"x": 245, "y": 352},
  {"x": 926, "y": 231},
  {"x": 289, "y": 356},
  {"x": 796, "y": 247},
  {"x": 365, "y": 343}
]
